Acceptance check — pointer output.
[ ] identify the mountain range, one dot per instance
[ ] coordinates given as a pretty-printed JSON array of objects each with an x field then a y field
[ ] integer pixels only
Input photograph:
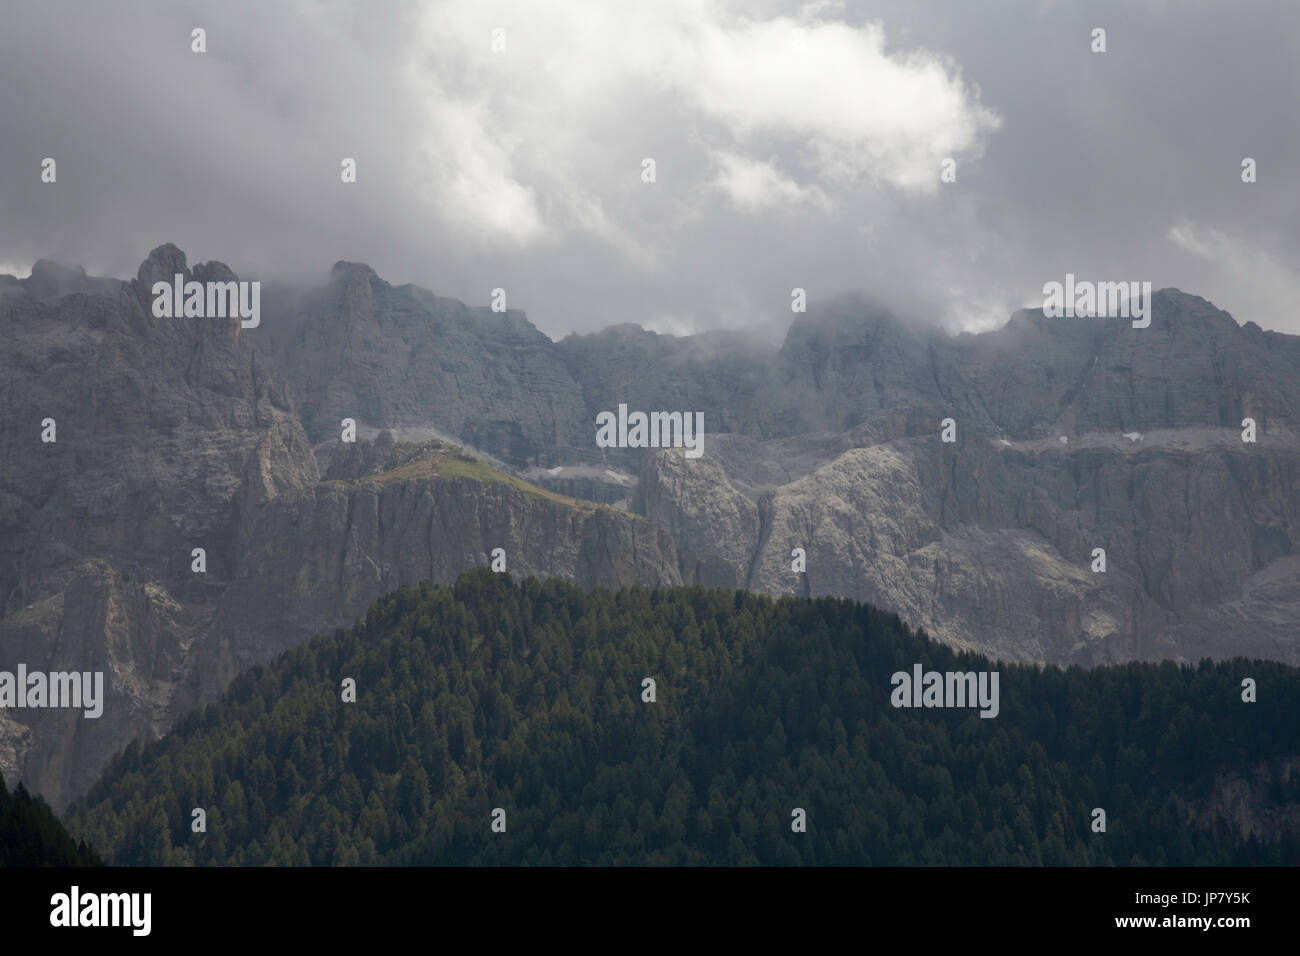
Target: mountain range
[{"x": 476, "y": 432}]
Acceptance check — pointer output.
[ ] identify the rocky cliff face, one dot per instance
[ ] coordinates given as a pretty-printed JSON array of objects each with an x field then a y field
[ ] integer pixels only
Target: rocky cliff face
[
  {"x": 164, "y": 429},
  {"x": 172, "y": 434},
  {"x": 990, "y": 546},
  {"x": 1071, "y": 435},
  {"x": 164, "y": 432},
  {"x": 314, "y": 560},
  {"x": 390, "y": 356},
  {"x": 175, "y": 434}
]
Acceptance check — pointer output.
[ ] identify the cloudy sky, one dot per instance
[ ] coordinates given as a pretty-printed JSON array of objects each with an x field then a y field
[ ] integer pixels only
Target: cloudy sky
[{"x": 795, "y": 144}]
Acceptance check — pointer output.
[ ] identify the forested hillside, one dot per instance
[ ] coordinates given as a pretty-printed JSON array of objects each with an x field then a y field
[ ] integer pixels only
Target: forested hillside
[
  {"x": 31, "y": 835},
  {"x": 528, "y": 697}
]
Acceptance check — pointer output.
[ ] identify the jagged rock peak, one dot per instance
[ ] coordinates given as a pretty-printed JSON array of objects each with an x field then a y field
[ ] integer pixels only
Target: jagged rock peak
[
  {"x": 161, "y": 265},
  {"x": 348, "y": 270},
  {"x": 52, "y": 279},
  {"x": 214, "y": 271}
]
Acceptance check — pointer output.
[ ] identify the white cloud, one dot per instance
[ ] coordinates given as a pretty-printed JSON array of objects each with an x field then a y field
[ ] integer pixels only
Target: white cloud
[
  {"x": 754, "y": 185},
  {"x": 469, "y": 174},
  {"x": 667, "y": 324},
  {"x": 1203, "y": 243},
  {"x": 1241, "y": 275},
  {"x": 546, "y": 137},
  {"x": 861, "y": 113}
]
